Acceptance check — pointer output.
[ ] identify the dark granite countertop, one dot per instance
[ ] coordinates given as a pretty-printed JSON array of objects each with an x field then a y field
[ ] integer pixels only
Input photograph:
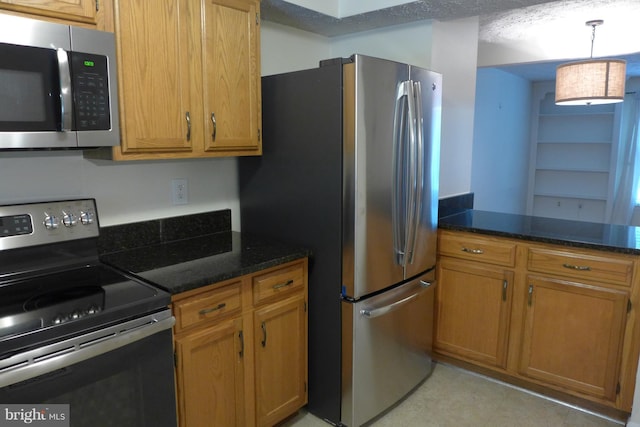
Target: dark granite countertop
[
  {"x": 182, "y": 265},
  {"x": 186, "y": 252},
  {"x": 606, "y": 237}
]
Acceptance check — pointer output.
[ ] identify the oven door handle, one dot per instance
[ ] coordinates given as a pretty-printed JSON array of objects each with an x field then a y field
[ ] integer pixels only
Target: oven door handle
[{"x": 33, "y": 363}]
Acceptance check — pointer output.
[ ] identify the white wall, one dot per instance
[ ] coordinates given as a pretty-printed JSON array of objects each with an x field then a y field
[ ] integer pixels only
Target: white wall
[
  {"x": 501, "y": 137},
  {"x": 454, "y": 54},
  {"x": 410, "y": 43},
  {"x": 124, "y": 191},
  {"x": 285, "y": 49}
]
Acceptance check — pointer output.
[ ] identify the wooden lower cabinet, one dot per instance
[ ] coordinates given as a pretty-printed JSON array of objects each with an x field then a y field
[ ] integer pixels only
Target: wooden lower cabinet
[
  {"x": 556, "y": 319},
  {"x": 473, "y": 310},
  {"x": 280, "y": 375},
  {"x": 211, "y": 376},
  {"x": 241, "y": 349},
  {"x": 573, "y": 334}
]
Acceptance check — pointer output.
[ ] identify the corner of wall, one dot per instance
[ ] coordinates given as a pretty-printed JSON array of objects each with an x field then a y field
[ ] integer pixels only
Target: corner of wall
[{"x": 459, "y": 87}]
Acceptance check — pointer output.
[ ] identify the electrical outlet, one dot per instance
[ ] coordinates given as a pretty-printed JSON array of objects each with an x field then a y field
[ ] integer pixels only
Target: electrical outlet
[{"x": 179, "y": 191}]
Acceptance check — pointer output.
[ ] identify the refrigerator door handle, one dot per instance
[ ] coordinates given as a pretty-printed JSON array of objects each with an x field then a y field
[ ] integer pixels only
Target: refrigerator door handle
[
  {"x": 418, "y": 164},
  {"x": 372, "y": 312},
  {"x": 398, "y": 195},
  {"x": 412, "y": 178}
]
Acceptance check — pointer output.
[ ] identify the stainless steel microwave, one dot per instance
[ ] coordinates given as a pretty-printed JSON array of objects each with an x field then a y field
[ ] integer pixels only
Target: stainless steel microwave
[{"x": 58, "y": 86}]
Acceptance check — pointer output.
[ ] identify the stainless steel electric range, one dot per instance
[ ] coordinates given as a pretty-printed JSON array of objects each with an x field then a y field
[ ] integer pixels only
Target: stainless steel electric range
[{"x": 74, "y": 331}]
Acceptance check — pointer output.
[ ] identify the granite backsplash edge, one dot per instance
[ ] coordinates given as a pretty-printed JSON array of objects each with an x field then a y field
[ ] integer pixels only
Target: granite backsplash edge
[{"x": 122, "y": 237}]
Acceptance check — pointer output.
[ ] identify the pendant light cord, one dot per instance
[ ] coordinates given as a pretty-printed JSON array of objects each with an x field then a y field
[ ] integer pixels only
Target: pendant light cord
[
  {"x": 593, "y": 38},
  {"x": 594, "y": 23}
]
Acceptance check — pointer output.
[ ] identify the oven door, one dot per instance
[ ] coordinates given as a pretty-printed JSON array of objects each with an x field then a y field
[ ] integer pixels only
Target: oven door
[{"x": 121, "y": 376}]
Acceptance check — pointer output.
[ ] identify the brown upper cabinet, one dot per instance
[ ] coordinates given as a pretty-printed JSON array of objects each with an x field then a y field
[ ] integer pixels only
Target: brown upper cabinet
[
  {"x": 189, "y": 78},
  {"x": 87, "y": 13}
]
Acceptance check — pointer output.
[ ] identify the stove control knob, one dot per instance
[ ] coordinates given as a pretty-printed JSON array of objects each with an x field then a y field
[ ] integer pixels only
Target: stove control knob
[
  {"x": 86, "y": 218},
  {"x": 69, "y": 219},
  {"x": 76, "y": 315},
  {"x": 51, "y": 222},
  {"x": 58, "y": 319}
]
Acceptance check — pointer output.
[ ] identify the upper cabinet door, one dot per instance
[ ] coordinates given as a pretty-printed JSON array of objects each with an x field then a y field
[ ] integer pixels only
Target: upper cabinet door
[
  {"x": 74, "y": 10},
  {"x": 231, "y": 82},
  {"x": 158, "y": 53}
]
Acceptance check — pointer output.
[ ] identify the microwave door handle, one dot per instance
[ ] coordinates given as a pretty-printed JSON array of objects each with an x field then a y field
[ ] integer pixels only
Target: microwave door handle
[{"x": 65, "y": 90}]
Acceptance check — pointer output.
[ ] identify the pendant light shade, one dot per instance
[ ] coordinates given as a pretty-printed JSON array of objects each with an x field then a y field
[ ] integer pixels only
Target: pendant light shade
[
  {"x": 594, "y": 81},
  {"x": 597, "y": 81}
]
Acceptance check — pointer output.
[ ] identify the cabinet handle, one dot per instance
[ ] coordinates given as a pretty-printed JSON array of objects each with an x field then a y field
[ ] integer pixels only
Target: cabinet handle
[
  {"x": 264, "y": 334},
  {"x": 283, "y": 284},
  {"x": 215, "y": 126},
  {"x": 504, "y": 290},
  {"x": 530, "y": 295},
  {"x": 577, "y": 267},
  {"x": 472, "y": 251},
  {"x": 188, "y": 117},
  {"x": 212, "y": 309},
  {"x": 241, "y": 338}
]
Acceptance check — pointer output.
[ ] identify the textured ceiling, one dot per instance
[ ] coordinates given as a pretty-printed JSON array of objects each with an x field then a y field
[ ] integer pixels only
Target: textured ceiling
[
  {"x": 305, "y": 19},
  {"x": 499, "y": 20}
]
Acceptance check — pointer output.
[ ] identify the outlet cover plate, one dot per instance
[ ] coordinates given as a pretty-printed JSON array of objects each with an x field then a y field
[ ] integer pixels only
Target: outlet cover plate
[{"x": 179, "y": 191}]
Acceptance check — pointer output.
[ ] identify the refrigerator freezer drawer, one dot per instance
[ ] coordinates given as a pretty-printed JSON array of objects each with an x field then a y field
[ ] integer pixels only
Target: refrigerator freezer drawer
[{"x": 387, "y": 342}]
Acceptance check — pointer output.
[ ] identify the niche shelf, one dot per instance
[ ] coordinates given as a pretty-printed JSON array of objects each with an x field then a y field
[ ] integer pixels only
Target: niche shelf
[{"x": 573, "y": 158}]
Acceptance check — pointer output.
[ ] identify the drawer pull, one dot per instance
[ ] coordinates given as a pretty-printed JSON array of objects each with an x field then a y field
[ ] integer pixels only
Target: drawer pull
[
  {"x": 212, "y": 309},
  {"x": 577, "y": 267},
  {"x": 530, "y": 295},
  {"x": 472, "y": 251},
  {"x": 264, "y": 334},
  {"x": 283, "y": 284}
]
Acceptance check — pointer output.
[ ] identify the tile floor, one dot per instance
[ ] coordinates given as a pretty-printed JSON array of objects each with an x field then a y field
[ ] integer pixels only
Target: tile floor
[{"x": 453, "y": 397}]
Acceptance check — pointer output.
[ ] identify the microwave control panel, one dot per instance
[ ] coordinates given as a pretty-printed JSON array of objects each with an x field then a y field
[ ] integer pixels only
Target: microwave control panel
[{"x": 90, "y": 83}]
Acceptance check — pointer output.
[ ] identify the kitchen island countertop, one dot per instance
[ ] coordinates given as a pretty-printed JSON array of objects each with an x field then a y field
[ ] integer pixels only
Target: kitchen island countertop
[{"x": 581, "y": 234}]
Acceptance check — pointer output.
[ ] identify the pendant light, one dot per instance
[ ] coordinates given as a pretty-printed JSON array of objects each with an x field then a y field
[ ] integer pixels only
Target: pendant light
[{"x": 594, "y": 81}]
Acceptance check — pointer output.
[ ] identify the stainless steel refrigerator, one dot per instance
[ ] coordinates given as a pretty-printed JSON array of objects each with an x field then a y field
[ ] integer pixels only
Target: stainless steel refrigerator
[{"x": 350, "y": 169}]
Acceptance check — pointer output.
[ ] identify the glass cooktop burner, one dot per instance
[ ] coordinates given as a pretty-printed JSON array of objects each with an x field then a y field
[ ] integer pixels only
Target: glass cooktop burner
[{"x": 67, "y": 296}]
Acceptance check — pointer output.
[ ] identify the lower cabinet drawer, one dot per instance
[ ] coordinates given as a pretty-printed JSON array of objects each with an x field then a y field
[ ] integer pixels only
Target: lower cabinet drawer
[
  {"x": 581, "y": 265},
  {"x": 477, "y": 249},
  {"x": 277, "y": 283},
  {"x": 208, "y": 306}
]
